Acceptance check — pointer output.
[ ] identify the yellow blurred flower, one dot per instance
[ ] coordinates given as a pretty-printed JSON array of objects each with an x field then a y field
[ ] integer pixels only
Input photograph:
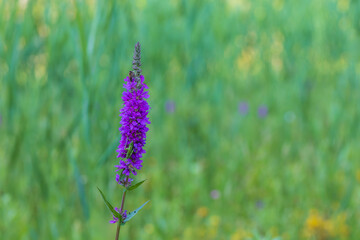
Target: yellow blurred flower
[
  {"x": 188, "y": 233},
  {"x": 343, "y": 5},
  {"x": 214, "y": 221},
  {"x": 246, "y": 59},
  {"x": 318, "y": 227},
  {"x": 341, "y": 64},
  {"x": 202, "y": 212},
  {"x": 278, "y": 5},
  {"x": 276, "y": 64},
  {"x": 201, "y": 232},
  {"x": 276, "y": 51},
  {"x": 342, "y": 229},
  {"x": 274, "y": 232},
  {"x": 238, "y": 5},
  {"x": 38, "y": 10},
  {"x": 141, "y": 4},
  {"x": 358, "y": 175},
  {"x": 212, "y": 233},
  {"x": 23, "y": 4},
  {"x": 240, "y": 234},
  {"x": 43, "y": 30}
]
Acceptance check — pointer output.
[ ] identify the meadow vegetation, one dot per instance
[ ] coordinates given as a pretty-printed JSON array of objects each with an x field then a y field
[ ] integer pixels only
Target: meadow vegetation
[{"x": 254, "y": 118}]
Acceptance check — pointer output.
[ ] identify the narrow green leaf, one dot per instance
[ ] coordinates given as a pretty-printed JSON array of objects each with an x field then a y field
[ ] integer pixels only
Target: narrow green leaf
[
  {"x": 110, "y": 207},
  {"x": 136, "y": 185},
  {"x": 133, "y": 213},
  {"x": 130, "y": 149}
]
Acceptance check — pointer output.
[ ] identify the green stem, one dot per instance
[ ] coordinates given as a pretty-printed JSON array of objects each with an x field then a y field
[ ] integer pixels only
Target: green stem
[{"x": 121, "y": 209}]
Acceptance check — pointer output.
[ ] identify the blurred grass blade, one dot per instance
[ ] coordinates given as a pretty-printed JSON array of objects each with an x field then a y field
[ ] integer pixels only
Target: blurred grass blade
[
  {"x": 110, "y": 150},
  {"x": 81, "y": 188}
]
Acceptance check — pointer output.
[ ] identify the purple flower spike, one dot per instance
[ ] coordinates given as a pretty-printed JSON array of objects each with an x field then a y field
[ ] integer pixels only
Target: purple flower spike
[
  {"x": 133, "y": 122},
  {"x": 243, "y": 108},
  {"x": 170, "y": 106},
  {"x": 262, "y": 111}
]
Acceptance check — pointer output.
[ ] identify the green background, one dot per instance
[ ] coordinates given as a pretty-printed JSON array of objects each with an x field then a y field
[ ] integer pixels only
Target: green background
[{"x": 293, "y": 174}]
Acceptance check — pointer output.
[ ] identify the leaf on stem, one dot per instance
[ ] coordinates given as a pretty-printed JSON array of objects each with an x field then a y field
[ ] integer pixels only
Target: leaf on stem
[
  {"x": 135, "y": 185},
  {"x": 110, "y": 207},
  {"x": 133, "y": 213}
]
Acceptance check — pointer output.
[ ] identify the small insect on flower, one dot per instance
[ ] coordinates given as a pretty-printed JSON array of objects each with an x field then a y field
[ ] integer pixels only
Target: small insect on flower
[
  {"x": 132, "y": 168},
  {"x": 131, "y": 76}
]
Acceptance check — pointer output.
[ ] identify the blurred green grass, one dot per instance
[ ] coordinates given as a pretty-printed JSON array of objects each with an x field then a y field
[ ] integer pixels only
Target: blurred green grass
[{"x": 293, "y": 174}]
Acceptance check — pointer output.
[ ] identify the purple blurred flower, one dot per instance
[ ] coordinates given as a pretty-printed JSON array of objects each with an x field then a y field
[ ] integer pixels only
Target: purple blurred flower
[
  {"x": 123, "y": 215},
  {"x": 215, "y": 194},
  {"x": 262, "y": 111},
  {"x": 243, "y": 108},
  {"x": 170, "y": 106},
  {"x": 259, "y": 204}
]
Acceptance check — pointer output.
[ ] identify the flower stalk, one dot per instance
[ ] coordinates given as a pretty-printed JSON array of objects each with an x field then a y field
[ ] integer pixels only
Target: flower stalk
[
  {"x": 133, "y": 130},
  {"x": 121, "y": 210}
]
